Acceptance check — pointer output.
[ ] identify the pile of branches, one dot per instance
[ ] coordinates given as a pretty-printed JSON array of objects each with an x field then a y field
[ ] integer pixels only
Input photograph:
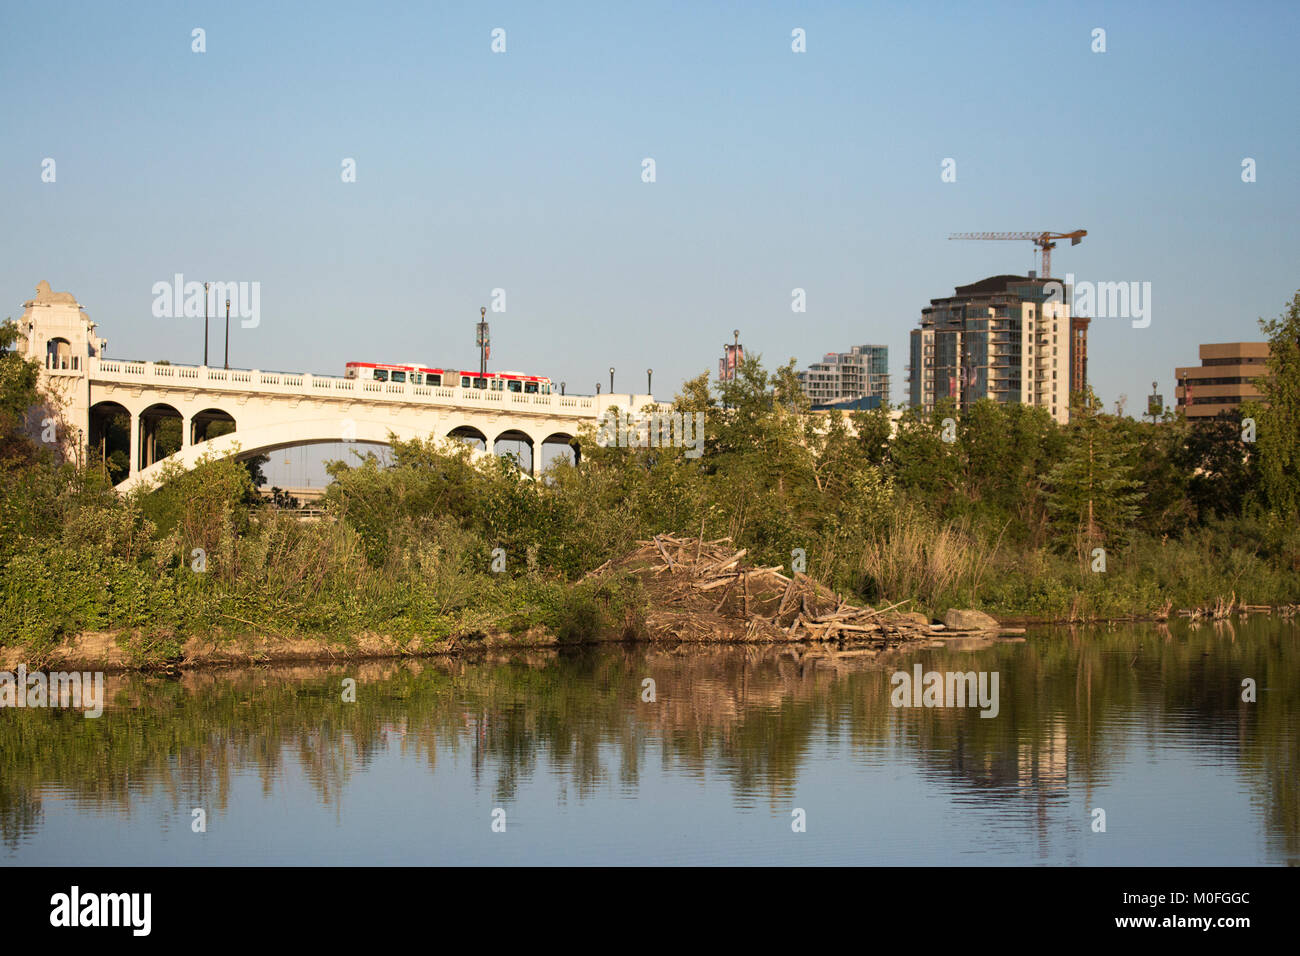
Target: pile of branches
[{"x": 704, "y": 591}]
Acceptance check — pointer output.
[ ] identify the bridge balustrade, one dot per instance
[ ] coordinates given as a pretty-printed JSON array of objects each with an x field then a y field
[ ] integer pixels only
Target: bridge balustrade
[{"x": 291, "y": 383}]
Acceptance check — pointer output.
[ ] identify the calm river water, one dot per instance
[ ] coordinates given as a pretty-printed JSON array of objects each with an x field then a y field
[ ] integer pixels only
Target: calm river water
[{"x": 1146, "y": 723}]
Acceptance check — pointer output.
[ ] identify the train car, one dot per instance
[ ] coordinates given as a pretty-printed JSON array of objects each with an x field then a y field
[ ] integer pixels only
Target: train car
[
  {"x": 507, "y": 382},
  {"x": 417, "y": 374},
  {"x": 379, "y": 372}
]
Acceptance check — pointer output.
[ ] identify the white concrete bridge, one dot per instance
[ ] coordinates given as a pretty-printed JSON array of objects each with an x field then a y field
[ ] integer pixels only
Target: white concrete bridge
[{"x": 268, "y": 410}]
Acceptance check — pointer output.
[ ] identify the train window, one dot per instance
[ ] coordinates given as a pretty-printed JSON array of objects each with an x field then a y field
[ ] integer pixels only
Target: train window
[
  {"x": 480, "y": 383},
  {"x": 464, "y": 381},
  {"x": 496, "y": 384},
  {"x": 415, "y": 378},
  {"x": 433, "y": 379},
  {"x": 381, "y": 375},
  {"x": 399, "y": 376},
  {"x": 530, "y": 388},
  {"x": 513, "y": 386}
]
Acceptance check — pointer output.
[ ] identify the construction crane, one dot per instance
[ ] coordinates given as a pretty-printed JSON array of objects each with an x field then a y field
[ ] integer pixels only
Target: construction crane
[{"x": 1045, "y": 241}]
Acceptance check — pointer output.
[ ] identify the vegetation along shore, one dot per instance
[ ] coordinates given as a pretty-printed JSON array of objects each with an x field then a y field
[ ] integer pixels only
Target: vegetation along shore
[{"x": 434, "y": 549}]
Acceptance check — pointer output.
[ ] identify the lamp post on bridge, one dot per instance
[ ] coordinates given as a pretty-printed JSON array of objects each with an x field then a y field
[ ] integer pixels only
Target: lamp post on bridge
[
  {"x": 484, "y": 346},
  {"x": 227, "y": 333},
  {"x": 611, "y": 380},
  {"x": 205, "y": 325},
  {"x": 649, "y": 377}
]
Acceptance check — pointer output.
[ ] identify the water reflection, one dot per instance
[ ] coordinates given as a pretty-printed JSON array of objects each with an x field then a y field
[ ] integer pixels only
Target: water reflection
[{"x": 1146, "y": 715}]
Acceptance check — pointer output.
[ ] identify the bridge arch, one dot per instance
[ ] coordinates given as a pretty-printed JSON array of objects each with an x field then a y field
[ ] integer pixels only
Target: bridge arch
[
  {"x": 211, "y": 423},
  {"x": 468, "y": 434},
  {"x": 265, "y": 439},
  {"x": 109, "y": 437},
  {"x": 161, "y": 433},
  {"x": 522, "y": 438},
  {"x": 558, "y": 441}
]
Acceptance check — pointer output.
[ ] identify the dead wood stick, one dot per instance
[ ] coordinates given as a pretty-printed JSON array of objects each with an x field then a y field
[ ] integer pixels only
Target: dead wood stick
[
  {"x": 725, "y": 595},
  {"x": 594, "y": 571},
  {"x": 785, "y": 599},
  {"x": 729, "y": 562},
  {"x": 716, "y": 583},
  {"x": 886, "y": 610}
]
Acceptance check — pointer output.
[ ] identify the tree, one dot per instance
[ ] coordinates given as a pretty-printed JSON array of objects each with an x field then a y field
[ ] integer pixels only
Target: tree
[
  {"x": 1278, "y": 415},
  {"x": 923, "y": 454},
  {"x": 874, "y": 430},
  {"x": 1221, "y": 469},
  {"x": 18, "y": 393},
  {"x": 1092, "y": 497}
]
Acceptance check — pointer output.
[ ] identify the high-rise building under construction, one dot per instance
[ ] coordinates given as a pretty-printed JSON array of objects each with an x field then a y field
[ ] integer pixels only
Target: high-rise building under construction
[{"x": 1007, "y": 338}]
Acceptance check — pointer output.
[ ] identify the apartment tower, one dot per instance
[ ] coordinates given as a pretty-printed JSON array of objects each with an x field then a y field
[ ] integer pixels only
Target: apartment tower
[{"x": 1007, "y": 338}]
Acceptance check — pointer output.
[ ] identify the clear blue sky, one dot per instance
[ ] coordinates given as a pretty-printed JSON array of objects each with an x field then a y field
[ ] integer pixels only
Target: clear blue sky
[{"x": 522, "y": 171}]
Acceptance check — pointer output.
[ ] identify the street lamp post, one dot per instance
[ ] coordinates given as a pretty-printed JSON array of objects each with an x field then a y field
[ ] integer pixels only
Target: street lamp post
[
  {"x": 611, "y": 380},
  {"x": 227, "y": 333},
  {"x": 483, "y": 342},
  {"x": 205, "y": 325},
  {"x": 649, "y": 376}
]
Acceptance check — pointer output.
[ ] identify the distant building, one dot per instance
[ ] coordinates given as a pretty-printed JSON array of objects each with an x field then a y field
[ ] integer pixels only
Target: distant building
[
  {"x": 1079, "y": 353},
  {"x": 999, "y": 338},
  {"x": 1224, "y": 379},
  {"x": 856, "y": 379}
]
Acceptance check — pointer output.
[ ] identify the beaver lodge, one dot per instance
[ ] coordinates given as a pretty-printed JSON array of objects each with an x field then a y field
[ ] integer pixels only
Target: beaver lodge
[{"x": 704, "y": 591}]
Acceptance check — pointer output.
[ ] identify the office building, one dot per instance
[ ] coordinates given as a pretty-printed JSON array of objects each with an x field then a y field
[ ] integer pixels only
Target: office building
[{"x": 1224, "y": 379}]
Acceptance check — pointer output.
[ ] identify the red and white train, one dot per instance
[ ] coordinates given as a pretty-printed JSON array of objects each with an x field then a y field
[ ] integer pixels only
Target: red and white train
[{"x": 450, "y": 378}]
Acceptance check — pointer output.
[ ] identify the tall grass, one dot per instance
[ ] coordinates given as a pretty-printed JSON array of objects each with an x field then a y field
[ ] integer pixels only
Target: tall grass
[{"x": 915, "y": 557}]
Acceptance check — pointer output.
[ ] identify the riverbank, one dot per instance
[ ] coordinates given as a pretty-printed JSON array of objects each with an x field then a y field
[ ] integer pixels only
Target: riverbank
[
  {"x": 114, "y": 652},
  {"x": 665, "y": 592}
]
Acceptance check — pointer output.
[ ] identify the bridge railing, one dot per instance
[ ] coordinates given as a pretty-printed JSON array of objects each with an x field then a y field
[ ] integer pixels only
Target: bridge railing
[{"x": 305, "y": 383}]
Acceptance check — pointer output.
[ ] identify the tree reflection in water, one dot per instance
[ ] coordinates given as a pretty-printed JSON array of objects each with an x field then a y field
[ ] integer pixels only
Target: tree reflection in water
[{"x": 1070, "y": 703}]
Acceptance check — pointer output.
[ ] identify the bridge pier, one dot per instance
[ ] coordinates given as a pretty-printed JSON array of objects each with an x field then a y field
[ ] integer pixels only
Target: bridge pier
[{"x": 134, "y": 465}]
